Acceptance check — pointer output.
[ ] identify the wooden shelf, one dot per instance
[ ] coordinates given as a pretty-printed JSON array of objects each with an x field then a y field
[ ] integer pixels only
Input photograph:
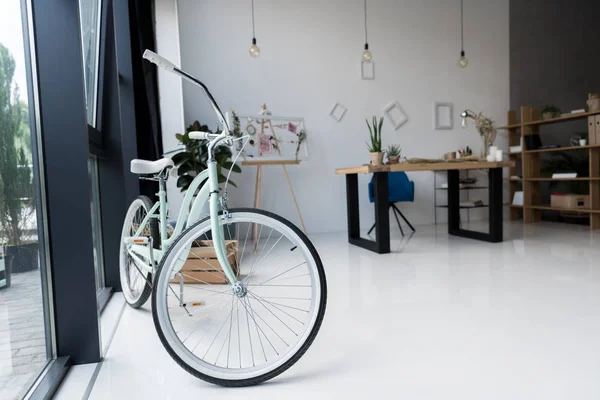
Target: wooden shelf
[
  {"x": 560, "y": 179},
  {"x": 550, "y": 208},
  {"x": 590, "y": 146},
  {"x": 531, "y": 166},
  {"x": 466, "y": 188},
  {"x": 507, "y": 127},
  {"x": 465, "y": 208},
  {"x": 571, "y": 117}
]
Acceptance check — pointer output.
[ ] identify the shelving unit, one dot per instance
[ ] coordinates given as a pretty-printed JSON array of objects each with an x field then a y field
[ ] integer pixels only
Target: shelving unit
[
  {"x": 531, "y": 165},
  {"x": 467, "y": 189}
]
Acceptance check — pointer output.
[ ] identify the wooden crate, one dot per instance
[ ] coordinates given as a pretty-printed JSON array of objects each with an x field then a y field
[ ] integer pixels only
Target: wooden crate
[{"x": 202, "y": 266}]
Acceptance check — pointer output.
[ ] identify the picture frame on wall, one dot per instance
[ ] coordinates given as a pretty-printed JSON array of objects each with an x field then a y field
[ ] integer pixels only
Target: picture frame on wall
[
  {"x": 367, "y": 70},
  {"x": 395, "y": 115},
  {"x": 338, "y": 111},
  {"x": 443, "y": 116}
]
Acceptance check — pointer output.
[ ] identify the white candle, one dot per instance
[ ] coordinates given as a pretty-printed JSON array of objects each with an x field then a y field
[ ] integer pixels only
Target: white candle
[{"x": 499, "y": 155}]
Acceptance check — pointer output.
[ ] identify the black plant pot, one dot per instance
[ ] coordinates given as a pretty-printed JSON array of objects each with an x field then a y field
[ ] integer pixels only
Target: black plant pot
[
  {"x": 25, "y": 257},
  {"x": 6, "y": 272}
]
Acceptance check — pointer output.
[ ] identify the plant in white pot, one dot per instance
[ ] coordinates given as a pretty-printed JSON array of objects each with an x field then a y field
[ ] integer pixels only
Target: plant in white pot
[
  {"x": 375, "y": 143},
  {"x": 393, "y": 154}
]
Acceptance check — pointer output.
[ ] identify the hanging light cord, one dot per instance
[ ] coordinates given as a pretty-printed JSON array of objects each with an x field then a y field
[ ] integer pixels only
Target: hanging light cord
[
  {"x": 253, "y": 32},
  {"x": 366, "y": 38},
  {"x": 462, "y": 30}
]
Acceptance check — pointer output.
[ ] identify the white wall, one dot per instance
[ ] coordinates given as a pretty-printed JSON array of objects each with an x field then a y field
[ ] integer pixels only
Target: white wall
[{"x": 311, "y": 58}]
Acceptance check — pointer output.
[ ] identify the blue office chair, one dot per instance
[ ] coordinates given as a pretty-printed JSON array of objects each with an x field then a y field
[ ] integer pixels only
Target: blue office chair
[{"x": 400, "y": 189}]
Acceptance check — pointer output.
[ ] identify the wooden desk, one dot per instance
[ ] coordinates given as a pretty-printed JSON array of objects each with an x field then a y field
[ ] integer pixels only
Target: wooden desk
[{"x": 381, "y": 244}]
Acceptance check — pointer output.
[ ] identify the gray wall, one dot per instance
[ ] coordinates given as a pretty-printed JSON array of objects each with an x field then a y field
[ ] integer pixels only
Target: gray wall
[{"x": 554, "y": 58}]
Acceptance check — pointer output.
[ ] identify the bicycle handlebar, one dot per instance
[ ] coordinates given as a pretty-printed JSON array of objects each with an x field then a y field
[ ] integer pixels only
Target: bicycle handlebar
[
  {"x": 158, "y": 60},
  {"x": 197, "y": 135},
  {"x": 169, "y": 66}
]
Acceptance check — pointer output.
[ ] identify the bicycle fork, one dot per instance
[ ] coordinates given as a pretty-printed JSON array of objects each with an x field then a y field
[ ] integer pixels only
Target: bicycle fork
[{"x": 217, "y": 231}]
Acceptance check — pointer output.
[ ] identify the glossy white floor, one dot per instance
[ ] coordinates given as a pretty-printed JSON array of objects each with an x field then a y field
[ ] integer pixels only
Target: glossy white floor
[{"x": 440, "y": 318}]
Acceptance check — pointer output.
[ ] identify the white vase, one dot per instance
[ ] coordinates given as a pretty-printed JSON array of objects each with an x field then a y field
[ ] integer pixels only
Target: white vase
[{"x": 376, "y": 158}]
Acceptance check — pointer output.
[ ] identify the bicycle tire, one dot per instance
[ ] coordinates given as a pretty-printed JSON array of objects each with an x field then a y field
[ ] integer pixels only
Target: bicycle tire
[
  {"x": 293, "y": 359},
  {"x": 154, "y": 233}
]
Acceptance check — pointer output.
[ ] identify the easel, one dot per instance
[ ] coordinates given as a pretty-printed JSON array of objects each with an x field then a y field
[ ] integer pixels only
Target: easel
[{"x": 259, "y": 164}]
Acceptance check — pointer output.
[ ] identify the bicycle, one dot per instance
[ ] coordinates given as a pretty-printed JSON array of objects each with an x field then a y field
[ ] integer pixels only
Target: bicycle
[{"x": 237, "y": 320}]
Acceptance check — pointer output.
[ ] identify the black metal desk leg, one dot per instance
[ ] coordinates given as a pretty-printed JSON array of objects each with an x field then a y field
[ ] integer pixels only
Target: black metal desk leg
[
  {"x": 352, "y": 209},
  {"x": 382, "y": 214},
  {"x": 453, "y": 200},
  {"x": 381, "y": 244},
  {"x": 496, "y": 208}
]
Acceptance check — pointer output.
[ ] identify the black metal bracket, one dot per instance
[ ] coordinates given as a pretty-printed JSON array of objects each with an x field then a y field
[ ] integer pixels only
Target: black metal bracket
[
  {"x": 381, "y": 244},
  {"x": 495, "y": 234}
]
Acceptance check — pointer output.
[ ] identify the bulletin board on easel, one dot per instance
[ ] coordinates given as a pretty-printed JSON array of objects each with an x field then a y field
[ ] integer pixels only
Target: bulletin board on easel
[
  {"x": 273, "y": 138},
  {"x": 272, "y": 141}
]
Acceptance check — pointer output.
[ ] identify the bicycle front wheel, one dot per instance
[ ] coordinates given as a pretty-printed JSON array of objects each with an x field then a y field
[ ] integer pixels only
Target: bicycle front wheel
[{"x": 240, "y": 339}]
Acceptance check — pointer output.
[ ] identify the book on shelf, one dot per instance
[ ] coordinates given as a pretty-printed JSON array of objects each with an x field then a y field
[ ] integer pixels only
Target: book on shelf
[
  {"x": 564, "y": 175},
  {"x": 578, "y": 111},
  {"x": 460, "y": 186},
  {"x": 518, "y": 198}
]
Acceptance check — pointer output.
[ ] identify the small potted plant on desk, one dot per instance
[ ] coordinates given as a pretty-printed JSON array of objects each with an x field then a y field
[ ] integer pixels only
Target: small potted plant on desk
[
  {"x": 375, "y": 142},
  {"x": 393, "y": 154},
  {"x": 550, "y": 111}
]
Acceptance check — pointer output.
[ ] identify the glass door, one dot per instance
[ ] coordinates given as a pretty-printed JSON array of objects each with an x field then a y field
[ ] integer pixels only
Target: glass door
[{"x": 26, "y": 316}]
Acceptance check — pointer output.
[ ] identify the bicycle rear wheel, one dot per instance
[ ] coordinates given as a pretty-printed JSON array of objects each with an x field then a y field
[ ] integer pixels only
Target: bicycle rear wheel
[
  {"x": 243, "y": 340},
  {"x": 135, "y": 281}
]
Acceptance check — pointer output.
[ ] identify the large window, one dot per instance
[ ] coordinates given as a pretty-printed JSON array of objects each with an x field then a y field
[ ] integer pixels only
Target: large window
[
  {"x": 26, "y": 327},
  {"x": 90, "y": 22}
]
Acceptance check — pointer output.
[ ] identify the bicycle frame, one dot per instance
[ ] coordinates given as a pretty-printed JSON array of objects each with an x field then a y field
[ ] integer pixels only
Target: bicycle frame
[
  {"x": 187, "y": 217},
  {"x": 209, "y": 192}
]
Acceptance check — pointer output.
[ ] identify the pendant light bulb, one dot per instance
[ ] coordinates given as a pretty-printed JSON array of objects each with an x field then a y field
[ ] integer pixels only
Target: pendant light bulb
[
  {"x": 367, "y": 56},
  {"x": 254, "y": 49},
  {"x": 463, "y": 61}
]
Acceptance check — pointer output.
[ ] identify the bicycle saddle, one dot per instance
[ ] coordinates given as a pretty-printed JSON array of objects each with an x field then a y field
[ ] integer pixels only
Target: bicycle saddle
[{"x": 144, "y": 167}]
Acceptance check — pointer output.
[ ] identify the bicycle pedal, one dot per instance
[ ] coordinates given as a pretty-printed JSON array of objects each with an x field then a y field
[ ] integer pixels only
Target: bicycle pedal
[{"x": 136, "y": 240}]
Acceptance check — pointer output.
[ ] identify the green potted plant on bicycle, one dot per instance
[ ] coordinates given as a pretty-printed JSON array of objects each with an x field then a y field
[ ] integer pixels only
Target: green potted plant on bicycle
[{"x": 194, "y": 157}]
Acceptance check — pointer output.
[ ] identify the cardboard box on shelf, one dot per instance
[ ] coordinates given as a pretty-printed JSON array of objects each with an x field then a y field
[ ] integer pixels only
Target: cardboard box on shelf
[
  {"x": 202, "y": 266},
  {"x": 592, "y": 130},
  {"x": 570, "y": 201}
]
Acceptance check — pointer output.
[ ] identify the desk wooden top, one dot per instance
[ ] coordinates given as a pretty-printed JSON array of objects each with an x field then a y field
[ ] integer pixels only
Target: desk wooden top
[{"x": 406, "y": 167}]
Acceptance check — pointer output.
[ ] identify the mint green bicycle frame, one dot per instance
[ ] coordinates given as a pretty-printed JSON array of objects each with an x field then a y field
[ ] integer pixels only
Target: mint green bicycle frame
[{"x": 209, "y": 192}]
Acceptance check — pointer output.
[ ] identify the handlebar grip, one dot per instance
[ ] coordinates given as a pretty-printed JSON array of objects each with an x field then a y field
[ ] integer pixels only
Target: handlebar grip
[
  {"x": 197, "y": 135},
  {"x": 158, "y": 60}
]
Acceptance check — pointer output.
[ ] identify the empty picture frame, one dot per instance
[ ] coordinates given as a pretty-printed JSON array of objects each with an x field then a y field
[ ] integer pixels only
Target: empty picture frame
[
  {"x": 367, "y": 70},
  {"x": 443, "y": 116},
  {"x": 395, "y": 114},
  {"x": 338, "y": 111}
]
